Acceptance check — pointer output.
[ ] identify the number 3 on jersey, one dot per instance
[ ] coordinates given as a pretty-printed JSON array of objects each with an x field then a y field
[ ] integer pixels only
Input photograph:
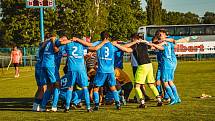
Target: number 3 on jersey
[{"x": 107, "y": 52}]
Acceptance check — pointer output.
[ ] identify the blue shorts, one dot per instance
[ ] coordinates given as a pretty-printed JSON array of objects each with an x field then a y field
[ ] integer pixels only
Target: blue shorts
[
  {"x": 158, "y": 74},
  {"x": 100, "y": 79},
  {"x": 167, "y": 75},
  {"x": 48, "y": 74},
  {"x": 79, "y": 77},
  {"x": 38, "y": 72}
]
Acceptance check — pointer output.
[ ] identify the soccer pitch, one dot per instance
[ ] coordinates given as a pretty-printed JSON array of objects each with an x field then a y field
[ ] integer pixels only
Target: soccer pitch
[{"x": 191, "y": 78}]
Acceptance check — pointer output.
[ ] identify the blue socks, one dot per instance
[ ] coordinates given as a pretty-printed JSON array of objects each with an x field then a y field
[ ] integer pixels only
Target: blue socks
[
  {"x": 159, "y": 90},
  {"x": 46, "y": 97},
  {"x": 75, "y": 98},
  {"x": 68, "y": 98},
  {"x": 166, "y": 96},
  {"x": 55, "y": 97},
  {"x": 170, "y": 93},
  {"x": 87, "y": 97},
  {"x": 96, "y": 98},
  {"x": 38, "y": 101},
  {"x": 175, "y": 93},
  {"x": 116, "y": 96}
]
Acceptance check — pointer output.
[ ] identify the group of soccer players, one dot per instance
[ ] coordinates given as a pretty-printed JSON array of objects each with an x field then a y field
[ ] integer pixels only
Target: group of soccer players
[{"x": 105, "y": 72}]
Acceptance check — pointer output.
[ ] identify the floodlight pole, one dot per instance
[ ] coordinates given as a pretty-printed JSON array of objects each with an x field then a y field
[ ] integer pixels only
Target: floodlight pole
[{"x": 41, "y": 25}]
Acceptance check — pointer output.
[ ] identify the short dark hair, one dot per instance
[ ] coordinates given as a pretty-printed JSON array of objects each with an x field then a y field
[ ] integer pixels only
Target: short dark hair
[
  {"x": 47, "y": 35},
  {"x": 135, "y": 36},
  {"x": 104, "y": 35},
  {"x": 163, "y": 31},
  {"x": 155, "y": 38}
]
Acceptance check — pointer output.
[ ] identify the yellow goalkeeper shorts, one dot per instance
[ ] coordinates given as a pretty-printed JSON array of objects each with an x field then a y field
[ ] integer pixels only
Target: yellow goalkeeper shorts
[{"x": 144, "y": 74}]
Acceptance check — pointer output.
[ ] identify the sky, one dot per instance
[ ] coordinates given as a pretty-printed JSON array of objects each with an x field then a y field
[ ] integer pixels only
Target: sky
[{"x": 198, "y": 7}]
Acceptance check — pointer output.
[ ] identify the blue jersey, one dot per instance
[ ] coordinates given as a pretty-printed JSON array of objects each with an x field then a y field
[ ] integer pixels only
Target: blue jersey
[
  {"x": 159, "y": 56},
  {"x": 75, "y": 56},
  {"x": 39, "y": 56},
  {"x": 173, "y": 54},
  {"x": 64, "y": 82},
  {"x": 167, "y": 60},
  {"x": 118, "y": 59},
  {"x": 105, "y": 57},
  {"x": 59, "y": 55},
  {"x": 48, "y": 55}
]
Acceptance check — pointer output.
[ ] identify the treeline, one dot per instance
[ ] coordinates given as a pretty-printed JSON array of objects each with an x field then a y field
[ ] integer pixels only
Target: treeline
[{"x": 20, "y": 25}]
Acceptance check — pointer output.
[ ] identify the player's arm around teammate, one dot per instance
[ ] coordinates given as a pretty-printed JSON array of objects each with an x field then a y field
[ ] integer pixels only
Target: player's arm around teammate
[
  {"x": 169, "y": 61},
  {"x": 144, "y": 72},
  {"x": 105, "y": 71}
]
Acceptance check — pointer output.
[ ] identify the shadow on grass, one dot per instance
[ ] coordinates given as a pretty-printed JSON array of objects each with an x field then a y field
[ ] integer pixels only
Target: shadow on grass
[{"x": 16, "y": 104}]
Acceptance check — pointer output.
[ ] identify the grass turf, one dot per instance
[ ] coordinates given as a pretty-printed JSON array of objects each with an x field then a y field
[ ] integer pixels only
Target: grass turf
[{"x": 191, "y": 78}]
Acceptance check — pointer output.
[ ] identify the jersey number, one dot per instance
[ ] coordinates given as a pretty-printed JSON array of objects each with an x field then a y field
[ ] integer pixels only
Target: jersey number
[
  {"x": 64, "y": 82},
  {"x": 47, "y": 46},
  {"x": 75, "y": 50},
  {"x": 107, "y": 51}
]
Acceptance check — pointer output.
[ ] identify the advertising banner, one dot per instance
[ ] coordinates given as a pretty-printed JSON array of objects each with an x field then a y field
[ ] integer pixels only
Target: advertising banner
[{"x": 195, "y": 48}]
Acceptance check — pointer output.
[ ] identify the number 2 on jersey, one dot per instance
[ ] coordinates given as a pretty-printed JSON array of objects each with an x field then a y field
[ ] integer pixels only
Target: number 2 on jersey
[{"x": 75, "y": 50}]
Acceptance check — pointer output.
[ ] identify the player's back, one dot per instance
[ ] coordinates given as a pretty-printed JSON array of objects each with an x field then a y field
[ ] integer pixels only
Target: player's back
[
  {"x": 105, "y": 57},
  {"x": 167, "y": 59},
  {"x": 159, "y": 56},
  {"x": 39, "y": 56},
  {"x": 75, "y": 56},
  {"x": 173, "y": 53},
  {"x": 118, "y": 59},
  {"x": 48, "y": 55}
]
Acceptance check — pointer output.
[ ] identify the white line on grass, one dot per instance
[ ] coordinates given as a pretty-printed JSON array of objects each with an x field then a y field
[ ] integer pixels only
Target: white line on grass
[{"x": 15, "y": 78}]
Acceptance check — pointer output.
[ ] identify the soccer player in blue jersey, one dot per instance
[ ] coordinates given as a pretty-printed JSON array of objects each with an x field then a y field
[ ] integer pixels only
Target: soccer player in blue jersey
[
  {"x": 38, "y": 69},
  {"x": 105, "y": 70},
  {"x": 168, "y": 67},
  {"x": 118, "y": 57},
  {"x": 158, "y": 52},
  {"x": 121, "y": 76},
  {"x": 76, "y": 95},
  {"x": 58, "y": 56},
  {"x": 77, "y": 70},
  {"x": 48, "y": 71}
]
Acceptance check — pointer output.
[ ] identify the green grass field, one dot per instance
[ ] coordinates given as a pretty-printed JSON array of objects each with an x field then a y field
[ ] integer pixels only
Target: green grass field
[{"x": 191, "y": 78}]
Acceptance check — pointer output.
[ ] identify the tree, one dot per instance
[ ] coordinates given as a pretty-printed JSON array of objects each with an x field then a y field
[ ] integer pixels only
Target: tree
[
  {"x": 18, "y": 22},
  {"x": 209, "y": 18},
  {"x": 138, "y": 12},
  {"x": 121, "y": 20},
  {"x": 97, "y": 15},
  {"x": 154, "y": 12},
  {"x": 20, "y": 25},
  {"x": 177, "y": 18}
]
